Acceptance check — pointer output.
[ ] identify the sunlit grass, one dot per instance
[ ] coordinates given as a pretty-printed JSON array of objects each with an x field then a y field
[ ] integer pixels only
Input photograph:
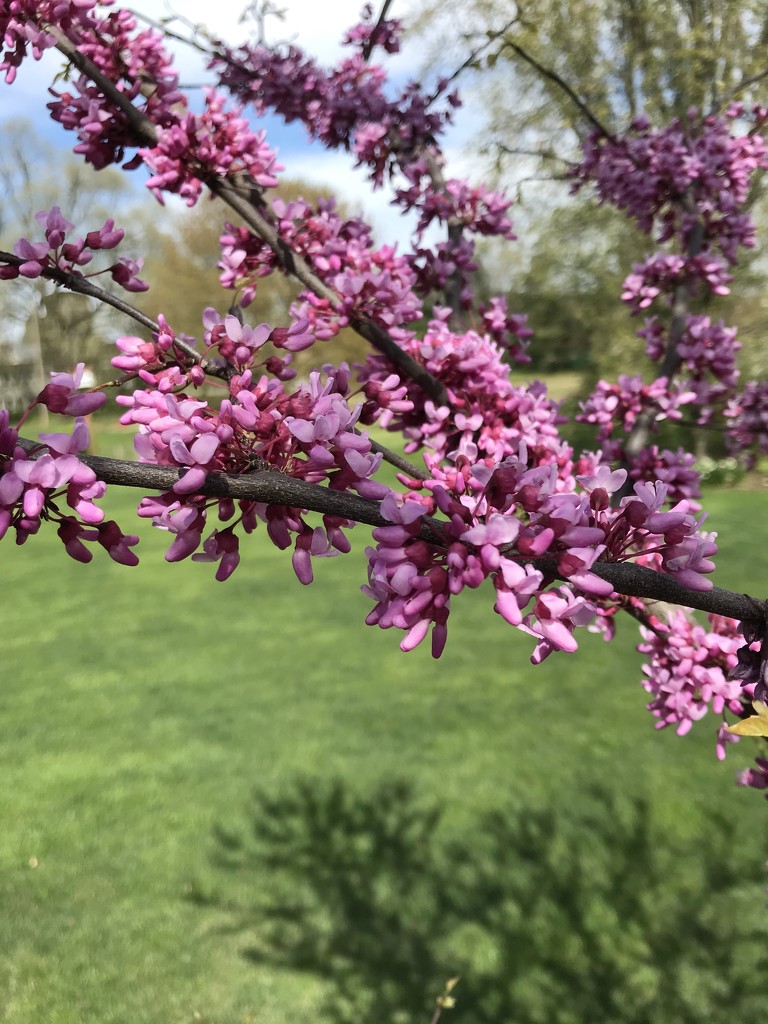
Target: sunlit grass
[{"x": 140, "y": 707}]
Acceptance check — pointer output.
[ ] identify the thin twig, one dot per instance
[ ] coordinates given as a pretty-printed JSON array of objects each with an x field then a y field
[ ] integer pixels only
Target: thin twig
[
  {"x": 744, "y": 84},
  {"x": 553, "y": 76},
  {"x": 86, "y": 286},
  {"x": 398, "y": 461},
  {"x": 465, "y": 65},
  {"x": 541, "y": 154}
]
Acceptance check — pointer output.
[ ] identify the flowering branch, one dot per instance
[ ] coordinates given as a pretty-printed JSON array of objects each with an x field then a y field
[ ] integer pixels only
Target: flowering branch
[
  {"x": 244, "y": 200},
  {"x": 266, "y": 485},
  {"x": 254, "y": 214},
  {"x": 503, "y": 497}
]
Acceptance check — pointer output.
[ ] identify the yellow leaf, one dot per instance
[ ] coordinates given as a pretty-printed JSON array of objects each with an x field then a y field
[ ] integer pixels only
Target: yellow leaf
[{"x": 755, "y": 726}]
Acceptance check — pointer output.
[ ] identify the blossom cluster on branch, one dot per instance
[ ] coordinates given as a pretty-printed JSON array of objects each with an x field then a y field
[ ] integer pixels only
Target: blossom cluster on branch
[{"x": 501, "y": 496}]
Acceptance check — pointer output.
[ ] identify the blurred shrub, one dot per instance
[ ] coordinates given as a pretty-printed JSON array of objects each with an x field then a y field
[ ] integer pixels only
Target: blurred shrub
[{"x": 579, "y": 914}]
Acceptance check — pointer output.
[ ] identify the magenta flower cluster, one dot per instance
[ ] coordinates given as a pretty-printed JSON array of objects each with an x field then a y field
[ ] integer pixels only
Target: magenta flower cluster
[
  {"x": 747, "y": 415},
  {"x": 35, "y": 483},
  {"x": 24, "y": 28},
  {"x": 488, "y": 417},
  {"x": 620, "y": 405},
  {"x": 218, "y": 141},
  {"x": 689, "y": 672},
  {"x": 686, "y": 183},
  {"x": 373, "y": 283},
  {"x": 665, "y": 177},
  {"x": 129, "y": 57},
  {"x": 189, "y": 147},
  {"x": 347, "y": 107},
  {"x": 498, "y": 522},
  {"x": 57, "y": 253},
  {"x": 310, "y": 434}
]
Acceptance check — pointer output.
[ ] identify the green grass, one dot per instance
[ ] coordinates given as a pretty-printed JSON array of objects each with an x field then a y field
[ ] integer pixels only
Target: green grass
[{"x": 140, "y": 707}]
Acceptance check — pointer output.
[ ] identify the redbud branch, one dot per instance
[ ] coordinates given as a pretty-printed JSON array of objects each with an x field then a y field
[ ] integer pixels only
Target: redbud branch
[
  {"x": 248, "y": 208},
  {"x": 264, "y": 484},
  {"x": 640, "y": 614},
  {"x": 366, "y": 53},
  {"x": 272, "y": 487},
  {"x": 142, "y": 125},
  {"x": 247, "y": 202},
  {"x": 397, "y": 460},
  {"x": 86, "y": 286},
  {"x": 253, "y": 213}
]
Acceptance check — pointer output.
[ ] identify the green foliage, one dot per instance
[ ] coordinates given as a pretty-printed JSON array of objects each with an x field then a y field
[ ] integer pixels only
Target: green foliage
[{"x": 621, "y": 59}]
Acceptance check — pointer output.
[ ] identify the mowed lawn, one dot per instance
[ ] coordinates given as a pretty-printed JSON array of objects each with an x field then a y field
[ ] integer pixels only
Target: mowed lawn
[{"x": 139, "y": 709}]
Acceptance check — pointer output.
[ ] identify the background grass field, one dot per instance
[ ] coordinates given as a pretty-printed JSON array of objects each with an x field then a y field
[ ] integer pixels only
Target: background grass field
[{"x": 141, "y": 708}]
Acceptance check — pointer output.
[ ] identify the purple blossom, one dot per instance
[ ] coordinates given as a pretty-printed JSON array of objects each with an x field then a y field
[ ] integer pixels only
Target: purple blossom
[{"x": 63, "y": 394}]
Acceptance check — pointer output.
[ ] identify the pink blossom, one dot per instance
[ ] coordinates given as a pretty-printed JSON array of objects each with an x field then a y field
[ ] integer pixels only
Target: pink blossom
[{"x": 63, "y": 395}]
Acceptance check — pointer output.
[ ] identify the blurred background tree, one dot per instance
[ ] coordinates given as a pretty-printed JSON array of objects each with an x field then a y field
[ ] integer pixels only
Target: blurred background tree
[{"x": 620, "y": 58}]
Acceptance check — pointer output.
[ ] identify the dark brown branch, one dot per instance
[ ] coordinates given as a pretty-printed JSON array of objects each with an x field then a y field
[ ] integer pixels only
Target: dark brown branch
[
  {"x": 638, "y": 581},
  {"x": 264, "y": 484},
  {"x": 144, "y": 128},
  {"x": 256, "y": 218},
  {"x": 274, "y": 488},
  {"x": 85, "y": 286},
  {"x": 379, "y": 22}
]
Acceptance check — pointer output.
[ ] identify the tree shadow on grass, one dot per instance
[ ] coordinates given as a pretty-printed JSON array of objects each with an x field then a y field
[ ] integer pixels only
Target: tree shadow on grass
[{"x": 549, "y": 916}]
